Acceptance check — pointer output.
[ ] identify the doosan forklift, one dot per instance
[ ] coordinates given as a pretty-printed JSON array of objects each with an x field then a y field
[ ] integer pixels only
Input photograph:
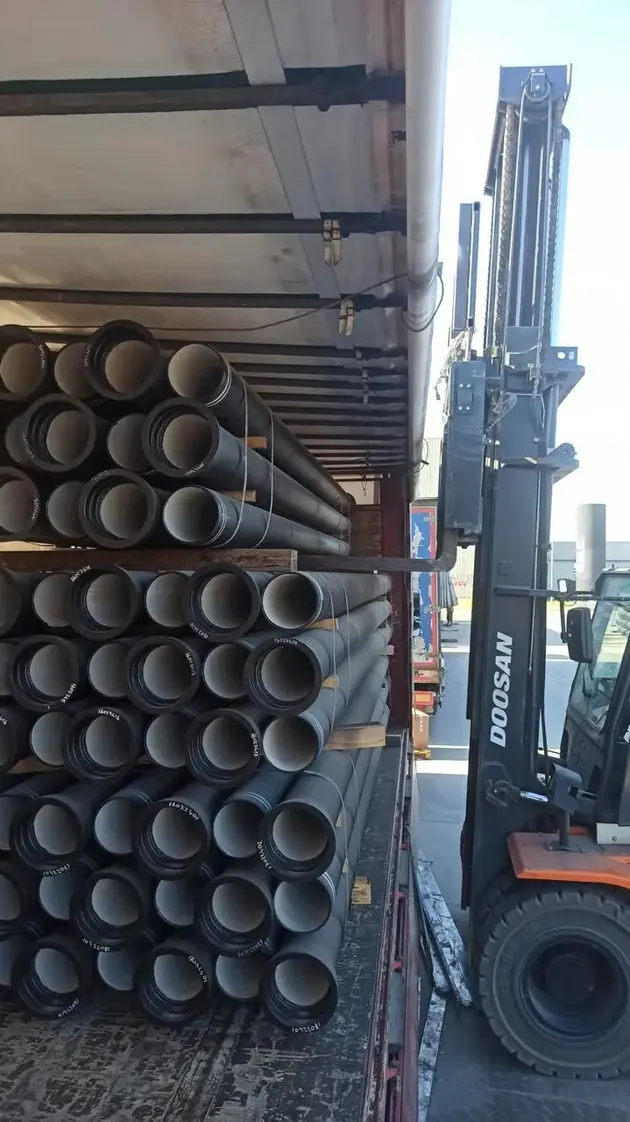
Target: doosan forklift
[{"x": 546, "y": 840}]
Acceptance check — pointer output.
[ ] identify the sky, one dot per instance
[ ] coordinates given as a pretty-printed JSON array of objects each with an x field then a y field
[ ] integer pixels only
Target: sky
[{"x": 594, "y": 305}]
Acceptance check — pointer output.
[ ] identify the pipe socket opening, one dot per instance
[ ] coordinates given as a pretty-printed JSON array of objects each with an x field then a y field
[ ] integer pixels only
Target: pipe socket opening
[
  {"x": 167, "y": 672},
  {"x": 236, "y": 827},
  {"x": 21, "y": 369},
  {"x": 10, "y": 905},
  {"x": 124, "y": 511},
  {"x": 290, "y": 744},
  {"x": 227, "y": 744},
  {"x": 175, "y": 902},
  {"x": 165, "y": 740},
  {"x": 68, "y": 437},
  {"x": 19, "y": 506},
  {"x": 237, "y": 907},
  {"x": 124, "y": 443},
  {"x": 187, "y": 441},
  {"x": 55, "y": 894},
  {"x": 177, "y": 978},
  {"x": 55, "y": 971},
  {"x": 55, "y": 830},
  {"x": 108, "y": 742},
  {"x": 291, "y": 601},
  {"x": 223, "y": 671},
  {"x": 196, "y": 371},
  {"x": 298, "y": 836},
  {"x": 115, "y": 902},
  {"x": 287, "y": 674},
  {"x": 49, "y": 736},
  {"x": 62, "y": 510},
  {"x": 51, "y": 600},
  {"x": 164, "y": 599},
  {"x": 128, "y": 366},
  {"x": 239, "y": 978},
  {"x": 301, "y": 907},
  {"x": 5, "y": 658},
  {"x": 190, "y": 515},
  {"x": 117, "y": 969},
  {"x": 107, "y": 600},
  {"x": 106, "y": 669},
  {"x": 51, "y": 671},
  {"x": 226, "y": 602},
  {"x": 302, "y": 981},
  {"x": 114, "y": 825},
  {"x": 175, "y": 834},
  {"x": 69, "y": 371}
]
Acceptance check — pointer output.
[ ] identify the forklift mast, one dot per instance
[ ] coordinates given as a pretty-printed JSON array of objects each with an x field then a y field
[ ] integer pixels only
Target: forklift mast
[{"x": 505, "y": 402}]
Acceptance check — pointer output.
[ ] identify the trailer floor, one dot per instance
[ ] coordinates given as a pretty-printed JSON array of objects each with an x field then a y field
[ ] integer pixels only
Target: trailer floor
[
  {"x": 476, "y": 1080},
  {"x": 110, "y": 1065}
]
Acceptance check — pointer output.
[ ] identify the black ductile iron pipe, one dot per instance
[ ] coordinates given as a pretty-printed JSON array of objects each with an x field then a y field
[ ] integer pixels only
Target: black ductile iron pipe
[
  {"x": 224, "y": 666},
  {"x": 174, "y": 984},
  {"x": 165, "y": 600},
  {"x": 106, "y": 600},
  {"x": 223, "y": 602},
  {"x": 69, "y": 372},
  {"x": 224, "y": 746},
  {"x": 124, "y": 444},
  {"x": 53, "y": 974},
  {"x": 106, "y": 669},
  {"x": 117, "y": 967},
  {"x": 164, "y": 672},
  {"x": 183, "y": 440},
  {"x": 117, "y": 820},
  {"x": 237, "y": 823},
  {"x": 124, "y": 363},
  {"x": 62, "y": 513},
  {"x": 119, "y": 509},
  {"x": 300, "y": 987},
  {"x": 50, "y": 730},
  {"x": 21, "y": 513},
  {"x": 305, "y": 906},
  {"x": 25, "y": 365},
  {"x": 14, "y": 444},
  {"x": 285, "y": 675},
  {"x": 18, "y": 895},
  {"x": 294, "y": 602},
  {"x": 22, "y": 795},
  {"x": 235, "y": 913},
  {"x": 52, "y": 833},
  {"x": 14, "y": 736},
  {"x": 297, "y": 838},
  {"x": 291, "y": 743},
  {"x": 200, "y": 372},
  {"x": 198, "y": 516},
  {"x": 111, "y": 906},
  {"x": 63, "y": 436},
  {"x": 239, "y": 979},
  {"x": 165, "y": 734},
  {"x": 104, "y": 742},
  {"x": 175, "y": 901},
  {"x": 47, "y": 671},
  {"x": 174, "y": 836},
  {"x": 12, "y": 946},
  {"x": 16, "y": 591},
  {"x": 51, "y": 601},
  {"x": 57, "y": 887}
]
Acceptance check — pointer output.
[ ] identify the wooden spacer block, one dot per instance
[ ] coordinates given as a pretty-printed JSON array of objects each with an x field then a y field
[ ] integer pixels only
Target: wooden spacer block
[
  {"x": 357, "y": 736},
  {"x": 256, "y": 442}
]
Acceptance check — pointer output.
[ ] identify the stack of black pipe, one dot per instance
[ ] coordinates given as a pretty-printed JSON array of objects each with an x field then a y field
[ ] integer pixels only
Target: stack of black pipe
[
  {"x": 113, "y": 443},
  {"x": 171, "y": 820}
]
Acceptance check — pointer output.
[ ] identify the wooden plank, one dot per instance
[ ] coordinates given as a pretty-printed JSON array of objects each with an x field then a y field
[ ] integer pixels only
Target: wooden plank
[
  {"x": 357, "y": 736},
  {"x": 330, "y": 683},
  {"x": 248, "y": 497},
  {"x": 149, "y": 560},
  {"x": 256, "y": 442}
]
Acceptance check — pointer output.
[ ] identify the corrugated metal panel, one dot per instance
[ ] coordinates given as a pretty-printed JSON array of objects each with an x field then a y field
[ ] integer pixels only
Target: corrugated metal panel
[
  {"x": 462, "y": 574},
  {"x": 429, "y": 479}
]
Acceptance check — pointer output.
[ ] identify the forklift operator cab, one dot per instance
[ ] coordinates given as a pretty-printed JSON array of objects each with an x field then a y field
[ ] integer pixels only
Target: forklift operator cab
[{"x": 596, "y": 735}]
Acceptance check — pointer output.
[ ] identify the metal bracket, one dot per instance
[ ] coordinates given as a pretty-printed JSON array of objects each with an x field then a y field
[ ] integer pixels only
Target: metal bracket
[
  {"x": 332, "y": 242},
  {"x": 347, "y": 312}
]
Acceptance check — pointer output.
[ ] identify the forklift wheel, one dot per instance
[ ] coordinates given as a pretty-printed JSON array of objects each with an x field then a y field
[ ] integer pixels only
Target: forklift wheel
[{"x": 554, "y": 981}]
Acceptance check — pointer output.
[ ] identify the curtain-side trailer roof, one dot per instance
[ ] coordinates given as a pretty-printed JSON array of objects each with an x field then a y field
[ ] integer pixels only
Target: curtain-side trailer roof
[{"x": 245, "y": 161}]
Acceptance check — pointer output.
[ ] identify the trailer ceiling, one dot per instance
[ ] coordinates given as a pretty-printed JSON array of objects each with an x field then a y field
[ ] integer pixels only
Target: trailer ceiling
[{"x": 195, "y": 150}]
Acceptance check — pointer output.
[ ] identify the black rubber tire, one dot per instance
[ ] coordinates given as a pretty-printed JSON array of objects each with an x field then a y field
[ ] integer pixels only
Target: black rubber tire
[{"x": 583, "y": 914}]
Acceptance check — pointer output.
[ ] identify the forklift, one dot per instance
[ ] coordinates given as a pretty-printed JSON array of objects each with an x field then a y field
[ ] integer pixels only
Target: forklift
[{"x": 546, "y": 840}]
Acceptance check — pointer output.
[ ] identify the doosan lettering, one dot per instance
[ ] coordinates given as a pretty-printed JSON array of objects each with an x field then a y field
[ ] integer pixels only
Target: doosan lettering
[{"x": 501, "y": 692}]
